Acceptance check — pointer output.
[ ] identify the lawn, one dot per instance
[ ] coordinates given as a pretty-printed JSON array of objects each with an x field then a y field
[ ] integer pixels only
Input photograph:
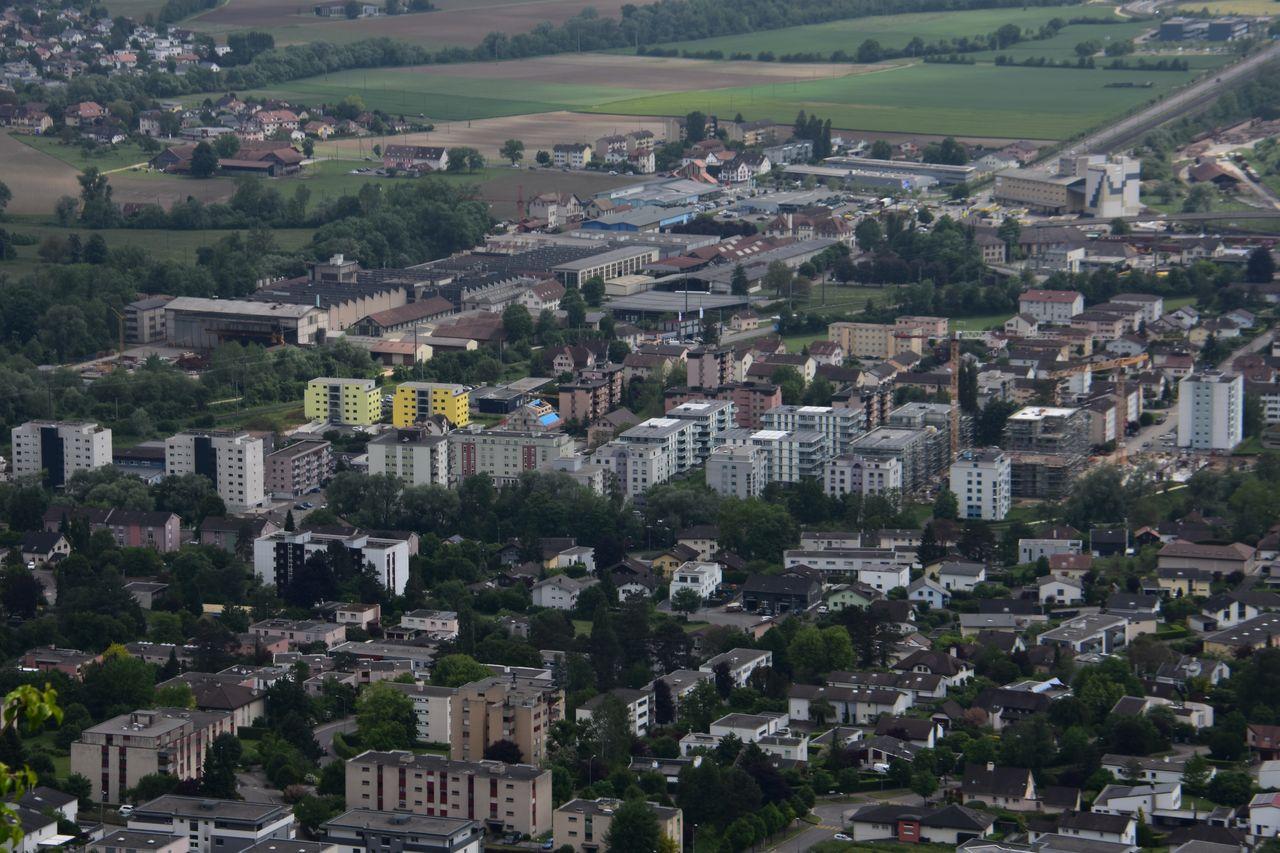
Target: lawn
[
  {"x": 333, "y": 178},
  {"x": 106, "y": 158},
  {"x": 1251, "y": 8},
  {"x": 445, "y": 97},
  {"x": 893, "y": 32},
  {"x": 964, "y": 100},
  {"x": 979, "y": 324},
  {"x": 166, "y": 245}
]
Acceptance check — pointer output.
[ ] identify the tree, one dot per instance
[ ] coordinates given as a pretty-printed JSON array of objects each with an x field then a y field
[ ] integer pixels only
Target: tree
[
  {"x": 517, "y": 323},
  {"x": 881, "y": 150},
  {"x": 664, "y": 707},
  {"x": 686, "y": 601},
  {"x": 457, "y": 670},
  {"x": 1230, "y": 788},
  {"x": 924, "y": 782},
  {"x": 6, "y": 195},
  {"x": 385, "y": 718},
  {"x": 504, "y": 750},
  {"x": 1195, "y": 776},
  {"x": 634, "y": 829},
  {"x": 869, "y": 234},
  {"x": 95, "y": 250},
  {"x": 219, "y": 779},
  {"x": 227, "y": 145},
  {"x": 177, "y": 695},
  {"x": 593, "y": 291},
  {"x": 1119, "y": 227},
  {"x": 204, "y": 161},
  {"x": 778, "y": 277},
  {"x": 543, "y": 158},
  {"x": 738, "y": 284},
  {"x": 695, "y": 127},
  {"x": 946, "y": 505},
  {"x": 512, "y": 150},
  {"x": 1261, "y": 268},
  {"x": 352, "y": 9}
]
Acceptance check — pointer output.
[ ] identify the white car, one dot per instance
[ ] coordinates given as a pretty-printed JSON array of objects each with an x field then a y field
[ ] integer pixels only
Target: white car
[
  {"x": 840, "y": 836},
  {"x": 125, "y": 810}
]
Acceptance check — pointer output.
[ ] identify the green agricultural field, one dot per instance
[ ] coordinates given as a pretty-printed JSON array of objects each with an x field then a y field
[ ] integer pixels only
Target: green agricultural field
[
  {"x": 442, "y": 97},
  {"x": 891, "y": 31},
  {"x": 167, "y": 245},
  {"x": 106, "y": 158},
  {"x": 964, "y": 100},
  {"x": 333, "y": 178},
  {"x": 1063, "y": 45}
]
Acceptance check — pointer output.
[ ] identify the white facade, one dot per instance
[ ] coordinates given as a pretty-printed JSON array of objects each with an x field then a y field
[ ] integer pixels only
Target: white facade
[
  {"x": 854, "y": 473},
  {"x": 432, "y": 710},
  {"x": 738, "y": 472},
  {"x": 1111, "y": 187},
  {"x": 417, "y": 460},
  {"x": 884, "y": 577},
  {"x": 702, "y": 578},
  {"x": 213, "y": 825},
  {"x": 839, "y": 426},
  {"x": 711, "y": 419},
  {"x": 559, "y": 592},
  {"x": 1210, "y": 411},
  {"x": 651, "y": 452},
  {"x": 278, "y": 556},
  {"x": 982, "y": 481},
  {"x": 1051, "y": 306},
  {"x": 82, "y": 447},
  {"x": 233, "y": 461}
]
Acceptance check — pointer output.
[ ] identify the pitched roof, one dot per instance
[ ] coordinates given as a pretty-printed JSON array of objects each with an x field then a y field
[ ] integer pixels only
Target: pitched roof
[{"x": 1000, "y": 781}]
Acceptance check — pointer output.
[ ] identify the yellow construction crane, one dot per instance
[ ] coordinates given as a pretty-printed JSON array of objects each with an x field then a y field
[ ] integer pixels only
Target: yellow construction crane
[{"x": 1118, "y": 364}]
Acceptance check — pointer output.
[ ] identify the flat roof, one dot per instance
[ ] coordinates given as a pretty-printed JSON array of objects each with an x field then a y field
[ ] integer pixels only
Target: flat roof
[
  {"x": 400, "y": 822},
  {"x": 671, "y": 302},
  {"x": 198, "y": 305},
  {"x": 237, "y": 810},
  {"x": 611, "y": 255},
  {"x": 1038, "y": 413}
]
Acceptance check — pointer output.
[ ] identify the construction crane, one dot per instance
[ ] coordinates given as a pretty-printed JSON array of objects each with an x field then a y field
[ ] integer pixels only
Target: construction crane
[
  {"x": 1117, "y": 364},
  {"x": 955, "y": 396},
  {"x": 120, "y": 320}
]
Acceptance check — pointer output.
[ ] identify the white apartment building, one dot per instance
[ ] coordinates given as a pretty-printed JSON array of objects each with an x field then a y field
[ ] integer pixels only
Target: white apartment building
[
  {"x": 649, "y": 453},
  {"x": 277, "y": 556},
  {"x": 738, "y": 472},
  {"x": 791, "y": 455},
  {"x": 839, "y": 426},
  {"x": 982, "y": 480},
  {"x": 635, "y": 467},
  {"x": 444, "y": 622},
  {"x": 702, "y": 578},
  {"x": 214, "y": 826},
  {"x": 504, "y": 454},
  {"x": 233, "y": 461},
  {"x": 1210, "y": 411},
  {"x": 59, "y": 448},
  {"x": 711, "y": 419},
  {"x": 862, "y": 475},
  {"x": 432, "y": 712},
  {"x": 1051, "y": 306},
  {"x": 740, "y": 662},
  {"x": 414, "y": 455}
]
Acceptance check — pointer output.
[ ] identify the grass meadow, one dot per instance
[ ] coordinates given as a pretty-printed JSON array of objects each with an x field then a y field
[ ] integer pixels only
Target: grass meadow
[
  {"x": 963, "y": 100},
  {"x": 893, "y": 31}
]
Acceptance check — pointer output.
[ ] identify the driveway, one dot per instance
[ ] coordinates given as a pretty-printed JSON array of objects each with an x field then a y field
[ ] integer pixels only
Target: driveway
[
  {"x": 831, "y": 813},
  {"x": 254, "y": 787},
  {"x": 325, "y": 732}
]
